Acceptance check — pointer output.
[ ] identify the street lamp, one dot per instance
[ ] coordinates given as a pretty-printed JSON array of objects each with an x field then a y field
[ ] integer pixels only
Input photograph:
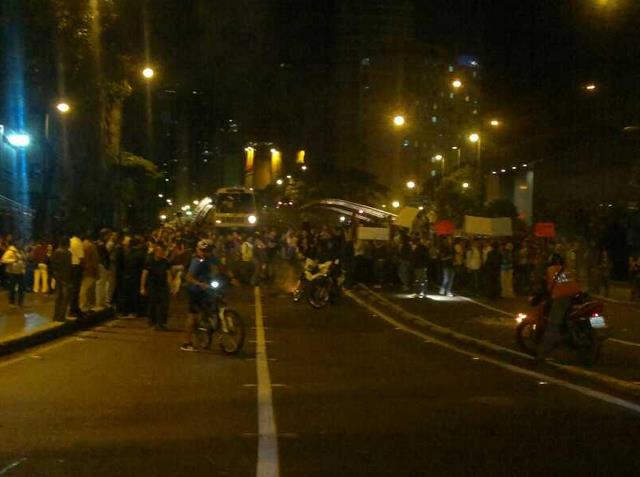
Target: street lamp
[
  {"x": 456, "y": 83},
  {"x": 411, "y": 185},
  {"x": 395, "y": 204},
  {"x": 465, "y": 185},
  {"x": 63, "y": 107},
  {"x": 474, "y": 137},
  {"x": 591, "y": 87},
  {"x": 19, "y": 140},
  {"x": 279, "y": 182},
  {"x": 399, "y": 120},
  {"x": 495, "y": 123},
  {"x": 148, "y": 72}
]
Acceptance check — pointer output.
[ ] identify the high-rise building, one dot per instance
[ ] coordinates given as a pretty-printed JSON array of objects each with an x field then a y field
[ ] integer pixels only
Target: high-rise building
[{"x": 382, "y": 72}]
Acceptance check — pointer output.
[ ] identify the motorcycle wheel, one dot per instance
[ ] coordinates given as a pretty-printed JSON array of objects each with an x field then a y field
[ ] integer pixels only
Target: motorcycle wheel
[
  {"x": 297, "y": 294},
  {"x": 202, "y": 333},
  {"x": 527, "y": 338},
  {"x": 589, "y": 355},
  {"x": 232, "y": 340},
  {"x": 319, "y": 296}
]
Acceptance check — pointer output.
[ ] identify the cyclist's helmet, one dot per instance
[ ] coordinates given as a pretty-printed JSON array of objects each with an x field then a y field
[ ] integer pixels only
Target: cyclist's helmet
[
  {"x": 205, "y": 245},
  {"x": 555, "y": 259}
]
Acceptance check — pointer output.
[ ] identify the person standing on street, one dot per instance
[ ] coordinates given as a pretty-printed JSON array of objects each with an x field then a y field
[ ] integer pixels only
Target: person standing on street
[
  {"x": 16, "y": 266},
  {"x": 90, "y": 274},
  {"x": 155, "y": 285},
  {"x": 77, "y": 259},
  {"x": 62, "y": 271},
  {"x": 41, "y": 273},
  {"x": 420, "y": 260}
]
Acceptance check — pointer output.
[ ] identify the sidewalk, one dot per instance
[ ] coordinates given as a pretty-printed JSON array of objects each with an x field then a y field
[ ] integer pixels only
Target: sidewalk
[
  {"x": 32, "y": 324},
  {"x": 36, "y": 313}
]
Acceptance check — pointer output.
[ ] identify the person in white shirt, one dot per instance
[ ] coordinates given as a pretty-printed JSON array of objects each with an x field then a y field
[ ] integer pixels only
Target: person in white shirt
[
  {"x": 473, "y": 264},
  {"x": 77, "y": 257}
]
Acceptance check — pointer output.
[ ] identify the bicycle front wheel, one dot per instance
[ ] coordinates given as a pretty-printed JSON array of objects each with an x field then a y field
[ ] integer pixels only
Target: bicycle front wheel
[
  {"x": 232, "y": 333},
  {"x": 202, "y": 333}
]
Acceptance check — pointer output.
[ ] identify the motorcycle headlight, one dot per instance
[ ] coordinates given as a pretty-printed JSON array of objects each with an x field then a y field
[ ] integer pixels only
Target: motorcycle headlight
[
  {"x": 215, "y": 284},
  {"x": 252, "y": 219}
]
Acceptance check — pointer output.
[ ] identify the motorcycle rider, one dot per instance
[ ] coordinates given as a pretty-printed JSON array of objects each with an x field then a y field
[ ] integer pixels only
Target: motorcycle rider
[{"x": 560, "y": 287}]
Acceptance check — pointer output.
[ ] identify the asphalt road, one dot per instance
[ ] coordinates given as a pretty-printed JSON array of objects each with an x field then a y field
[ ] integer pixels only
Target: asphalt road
[{"x": 351, "y": 395}]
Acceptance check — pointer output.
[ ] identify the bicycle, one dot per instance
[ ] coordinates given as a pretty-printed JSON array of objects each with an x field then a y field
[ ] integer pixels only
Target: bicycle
[{"x": 218, "y": 323}]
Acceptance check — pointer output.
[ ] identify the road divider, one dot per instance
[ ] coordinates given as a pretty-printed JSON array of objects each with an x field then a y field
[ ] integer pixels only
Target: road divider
[
  {"x": 540, "y": 377},
  {"x": 365, "y": 296}
]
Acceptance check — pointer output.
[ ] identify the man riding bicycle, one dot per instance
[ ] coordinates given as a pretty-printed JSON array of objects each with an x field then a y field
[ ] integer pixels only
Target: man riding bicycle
[{"x": 204, "y": 267}]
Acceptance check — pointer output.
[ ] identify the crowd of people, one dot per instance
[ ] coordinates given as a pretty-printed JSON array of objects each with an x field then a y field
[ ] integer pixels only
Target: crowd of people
[{"x": 133, "y": 273}]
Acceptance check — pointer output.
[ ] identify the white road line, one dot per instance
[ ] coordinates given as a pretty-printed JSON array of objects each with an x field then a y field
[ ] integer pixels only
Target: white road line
[
  {"x": 268, "y": 461},
  {"x": 12, "y": 466},
  {"x": 623, "y": 342},
  {"x": 514, "y": 369}
]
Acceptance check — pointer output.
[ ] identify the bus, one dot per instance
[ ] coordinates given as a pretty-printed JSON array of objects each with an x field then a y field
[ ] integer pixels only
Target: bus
[{"x": 235, "y": 207}]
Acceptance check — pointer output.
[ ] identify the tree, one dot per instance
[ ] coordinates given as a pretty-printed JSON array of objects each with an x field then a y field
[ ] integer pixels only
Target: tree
[{"x": 453, "y": 200}]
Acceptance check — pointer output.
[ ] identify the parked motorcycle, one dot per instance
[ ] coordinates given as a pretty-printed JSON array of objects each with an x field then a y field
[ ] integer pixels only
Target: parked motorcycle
[{"x": 584, "y": 329}]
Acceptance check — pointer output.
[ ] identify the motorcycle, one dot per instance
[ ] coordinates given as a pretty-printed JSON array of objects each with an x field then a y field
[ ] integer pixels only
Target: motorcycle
[
  {"x": 319, "y": 283},
  {"x": 584, "y": 328}
]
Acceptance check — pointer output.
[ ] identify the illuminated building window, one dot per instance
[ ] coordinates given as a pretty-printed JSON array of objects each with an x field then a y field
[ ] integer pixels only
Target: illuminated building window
[
  {"x": 451, "y": 95},
  {"x": 366, "y": 62},
  {"x": 434, "y": 119},
  {"x": 450, "y": 69},
  {"x": 435, "y": 106},
  {"x": 467, "y": 99},
  {"x": 475, "y": 111}
]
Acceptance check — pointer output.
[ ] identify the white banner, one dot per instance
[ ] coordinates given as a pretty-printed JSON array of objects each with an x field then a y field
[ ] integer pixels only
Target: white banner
[
  {"x": 373, "y": 233},
  {"x": 500, "y": 227},
  {"x": 406, "y": 217}
]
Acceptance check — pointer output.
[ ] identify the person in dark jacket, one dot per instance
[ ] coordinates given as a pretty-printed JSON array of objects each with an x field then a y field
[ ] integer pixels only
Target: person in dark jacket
[
  {"x": 492, "y": 272},
  {"x": 420, "y": 260},
  {"x": 62, "y": 272},
  {"x": 446, "y": 262}
]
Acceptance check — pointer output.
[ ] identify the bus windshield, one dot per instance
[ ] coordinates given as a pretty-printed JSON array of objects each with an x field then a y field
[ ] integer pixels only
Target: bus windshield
[{"x": 235, "y": 204}]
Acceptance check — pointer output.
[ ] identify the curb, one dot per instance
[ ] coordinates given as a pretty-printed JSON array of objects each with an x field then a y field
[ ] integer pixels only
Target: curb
[
  {"x": 517, "y": 357},
  {"x": 618, "y": 302},
  {"x": 52, "y": 331}
]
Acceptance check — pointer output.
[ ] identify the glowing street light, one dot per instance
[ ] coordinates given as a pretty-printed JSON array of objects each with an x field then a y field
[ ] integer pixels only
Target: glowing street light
[
  {"x": 495, "y": 123},
  {"x": 395, "y": 204},
  {"x": 148, "y": 72},
  {"x": 456, "y": 83},
  {"x": 196, "y": 202},
  {"x": 465, "y": 185},
  {"x": 474, "y": 137},
  {"x": 304, "y": 168},
  {"x": 411, "y": 185},
  {"x": 437, "y": 157},
  {"x": 160, "y": 196},
  {"x": 63, "y": 107},
  {"x": 279, "y": 182},
  {"x": 591, "y": 87},
  {"x": 18, "y": 140},
  {"x": 399, "y": 120},
  {"x": 163, "y": 217}
]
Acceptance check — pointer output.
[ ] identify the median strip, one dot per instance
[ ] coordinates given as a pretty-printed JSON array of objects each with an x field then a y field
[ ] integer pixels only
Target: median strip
[{"x": 492, "y": 348}]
